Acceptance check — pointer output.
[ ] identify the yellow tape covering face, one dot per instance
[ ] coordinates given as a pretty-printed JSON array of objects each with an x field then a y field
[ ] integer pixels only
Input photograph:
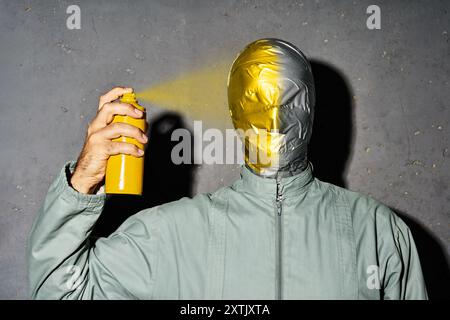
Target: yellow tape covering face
[{"x": 254, "y": 100}]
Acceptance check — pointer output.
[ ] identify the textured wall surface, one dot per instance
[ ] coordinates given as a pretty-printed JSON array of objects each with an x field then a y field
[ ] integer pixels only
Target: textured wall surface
[{"x": 382, "y": 129}]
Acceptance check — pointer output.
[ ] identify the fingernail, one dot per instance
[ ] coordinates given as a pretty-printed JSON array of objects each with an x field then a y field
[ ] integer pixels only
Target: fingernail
[
  {"x": 144, "y": 137},
  {"x": 138, "y": 112},
  {"x": 140, "y": 152}
]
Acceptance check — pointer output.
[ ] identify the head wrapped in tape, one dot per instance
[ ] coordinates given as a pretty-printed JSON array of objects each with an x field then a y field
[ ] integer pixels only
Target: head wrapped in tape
[{"x": 271, "y": 101}]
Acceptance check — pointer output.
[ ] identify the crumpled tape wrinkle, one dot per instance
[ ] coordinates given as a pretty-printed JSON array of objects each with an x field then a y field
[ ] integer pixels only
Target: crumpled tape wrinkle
[{"x": 271, "y": 88}]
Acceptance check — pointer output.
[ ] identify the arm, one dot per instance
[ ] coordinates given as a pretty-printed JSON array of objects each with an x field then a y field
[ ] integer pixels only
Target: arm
[
  {"x": 403, "y": 277},
  {"x": 65, "y": 264},
  {"x": 63, "y": 261}
]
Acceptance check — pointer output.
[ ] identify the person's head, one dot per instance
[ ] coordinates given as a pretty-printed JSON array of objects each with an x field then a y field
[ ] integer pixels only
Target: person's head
[{"x": 271, "y": 100}]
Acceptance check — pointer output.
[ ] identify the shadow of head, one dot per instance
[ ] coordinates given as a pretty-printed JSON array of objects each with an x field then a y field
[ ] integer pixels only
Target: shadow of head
[
  {"x": 435, "y": 267},
  {"x": 332, "y": 135},
  {"x": 164, "y": 181}
]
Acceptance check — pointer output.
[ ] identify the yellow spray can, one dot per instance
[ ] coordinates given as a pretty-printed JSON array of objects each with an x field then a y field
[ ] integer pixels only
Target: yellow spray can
[{"x": 125, "y": 173}]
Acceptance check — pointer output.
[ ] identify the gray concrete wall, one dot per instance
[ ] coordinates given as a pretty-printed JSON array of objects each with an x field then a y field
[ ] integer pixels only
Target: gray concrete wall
[{"x": 383, "y": 128}]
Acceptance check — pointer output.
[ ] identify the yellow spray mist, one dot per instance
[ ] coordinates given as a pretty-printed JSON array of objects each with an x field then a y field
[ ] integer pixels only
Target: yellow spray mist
[{"x": 199, "y": 95}]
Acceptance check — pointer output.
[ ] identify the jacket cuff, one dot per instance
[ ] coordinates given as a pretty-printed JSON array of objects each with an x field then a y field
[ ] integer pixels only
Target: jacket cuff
[{"x": 69, "y": 194}]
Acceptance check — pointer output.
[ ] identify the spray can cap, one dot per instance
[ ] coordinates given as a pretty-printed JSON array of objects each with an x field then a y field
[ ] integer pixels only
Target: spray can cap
[
  {"x": 131, "y": 99},
  {"x": 128, "y": 97}
]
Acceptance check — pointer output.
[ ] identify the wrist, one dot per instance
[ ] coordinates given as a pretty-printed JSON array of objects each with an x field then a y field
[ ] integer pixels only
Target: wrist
[{"x": 82, "y": 184}]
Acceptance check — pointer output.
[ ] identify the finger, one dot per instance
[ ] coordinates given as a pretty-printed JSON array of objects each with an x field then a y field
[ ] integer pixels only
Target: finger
[
  {"x": 112, "y": 95},
  {"x": 124, "y": 148},
  {"x": 110, "y": 109},
  {"x": 117, "y": 129}
]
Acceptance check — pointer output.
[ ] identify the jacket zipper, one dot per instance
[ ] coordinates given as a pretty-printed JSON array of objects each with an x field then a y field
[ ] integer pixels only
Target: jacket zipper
[{"x": 278, "y": 239}]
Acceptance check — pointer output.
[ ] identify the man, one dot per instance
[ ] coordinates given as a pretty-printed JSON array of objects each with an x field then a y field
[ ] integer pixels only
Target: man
[{"x": 276, "y": 233}]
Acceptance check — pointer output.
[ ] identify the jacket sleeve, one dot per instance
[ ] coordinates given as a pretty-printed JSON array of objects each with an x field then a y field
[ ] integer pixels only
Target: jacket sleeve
[
  {"x": 402, "y": 274},
  {"x": 64, "y": 262}
]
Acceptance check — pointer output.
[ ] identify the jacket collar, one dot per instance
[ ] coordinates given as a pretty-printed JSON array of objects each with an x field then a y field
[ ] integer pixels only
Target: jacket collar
[{"x": 289, "y": 186}]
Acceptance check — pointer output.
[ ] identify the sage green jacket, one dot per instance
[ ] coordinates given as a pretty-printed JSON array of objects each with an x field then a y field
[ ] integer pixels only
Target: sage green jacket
[{"x": 293, "y": 238}]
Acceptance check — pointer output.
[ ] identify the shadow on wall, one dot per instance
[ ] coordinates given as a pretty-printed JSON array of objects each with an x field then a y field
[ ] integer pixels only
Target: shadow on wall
[
  {"x": 163, "y": 181},
  {"x": 332, "y": 135},
  {"x": 330, "y": 149}
]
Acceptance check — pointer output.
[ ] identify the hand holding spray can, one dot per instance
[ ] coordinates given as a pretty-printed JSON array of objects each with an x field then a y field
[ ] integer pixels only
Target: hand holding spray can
[{"x": 125, "y": 173}]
